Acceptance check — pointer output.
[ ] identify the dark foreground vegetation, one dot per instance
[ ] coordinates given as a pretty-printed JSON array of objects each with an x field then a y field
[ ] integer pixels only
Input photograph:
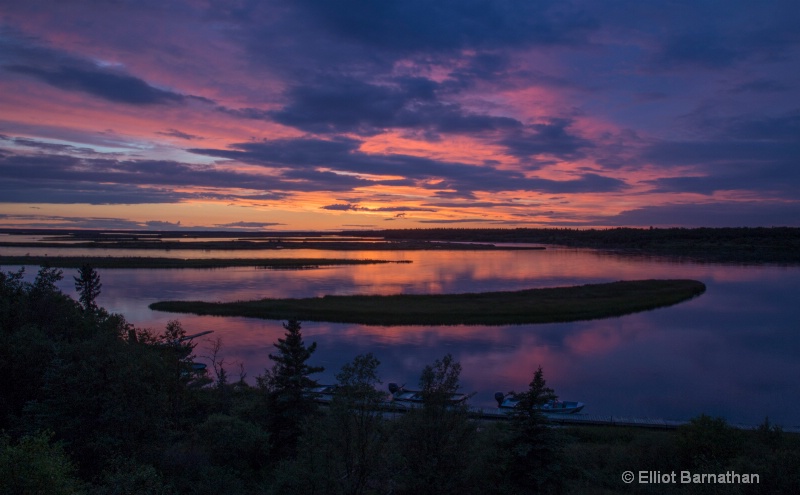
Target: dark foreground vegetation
[
  {"x": 559, "y": 304},
  {"x": 146, "y": 262},
  {"x": 92, "y": 405}
]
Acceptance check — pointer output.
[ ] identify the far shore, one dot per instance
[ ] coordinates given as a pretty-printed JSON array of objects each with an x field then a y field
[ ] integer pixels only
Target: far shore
[
  {"x": 550, "y": 305},
  {"x": 740, "y": 245},
  {"x": 146, "y": 262}
]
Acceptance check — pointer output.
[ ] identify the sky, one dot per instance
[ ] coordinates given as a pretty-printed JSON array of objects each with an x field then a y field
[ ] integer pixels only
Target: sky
[{"x": 364, "y": 114}]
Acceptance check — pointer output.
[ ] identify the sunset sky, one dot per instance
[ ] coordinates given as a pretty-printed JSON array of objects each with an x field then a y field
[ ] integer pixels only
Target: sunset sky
[{"x": 353, "y": 114}]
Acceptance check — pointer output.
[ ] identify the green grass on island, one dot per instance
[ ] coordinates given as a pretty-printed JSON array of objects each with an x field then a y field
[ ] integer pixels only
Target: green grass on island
[
  {"x": 147, "y": 262},
  {"x": 549, "y": 305}
]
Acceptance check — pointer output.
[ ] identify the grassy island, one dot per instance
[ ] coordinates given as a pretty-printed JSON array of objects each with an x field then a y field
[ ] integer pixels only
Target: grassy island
[
  {"x": 147, "y": 262},
  {"x": 550, "y": 305}
]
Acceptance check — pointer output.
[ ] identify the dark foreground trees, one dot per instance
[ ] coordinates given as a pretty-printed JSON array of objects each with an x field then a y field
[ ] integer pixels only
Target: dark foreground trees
[{"x": 90, "y": 404}]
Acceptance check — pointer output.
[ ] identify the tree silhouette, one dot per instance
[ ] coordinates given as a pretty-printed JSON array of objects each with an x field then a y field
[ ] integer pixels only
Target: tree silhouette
[
  {"x": 287, "y": 385},
  {"x": 534, "y": 449},
  {"x": 88, "y": 286},
  {"x": 436, "y": 436}
]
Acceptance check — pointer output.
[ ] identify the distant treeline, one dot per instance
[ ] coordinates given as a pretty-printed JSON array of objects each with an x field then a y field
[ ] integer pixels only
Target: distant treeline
[
  {"x": 154, "y": 263},
  {"x": 726, "y": 245},
  {"x": 746, "y": 245}
]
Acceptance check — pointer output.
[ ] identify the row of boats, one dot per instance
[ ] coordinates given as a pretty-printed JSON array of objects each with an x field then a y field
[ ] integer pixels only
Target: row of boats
[{"x": 401, "y": 398}]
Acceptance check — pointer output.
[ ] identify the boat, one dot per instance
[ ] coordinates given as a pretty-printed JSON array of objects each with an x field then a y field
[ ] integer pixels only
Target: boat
[
  {"x": 325, "y": 395},
  {"x": 415, "y": 397},
  {"x": 322, "y": 394},
  {"x": 510, "y": 401}
]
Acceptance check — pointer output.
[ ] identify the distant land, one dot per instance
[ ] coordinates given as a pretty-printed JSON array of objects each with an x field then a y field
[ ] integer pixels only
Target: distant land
[
  {"x": 726, "y": 245},
  {"x": 147, "y": 262}
]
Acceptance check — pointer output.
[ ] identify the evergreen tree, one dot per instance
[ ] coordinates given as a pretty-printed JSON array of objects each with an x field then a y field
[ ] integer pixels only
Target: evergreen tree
[
  {"x": 534, "y": 449},
  {"x": 287, "y": 384},
  {"x": 537, "y": 395},
  {"x": 345, "y": 450},
  {"x": 437, "y": 440},
  {"x": 440, "y": 381},
  {"x": 88, "y": 286}
]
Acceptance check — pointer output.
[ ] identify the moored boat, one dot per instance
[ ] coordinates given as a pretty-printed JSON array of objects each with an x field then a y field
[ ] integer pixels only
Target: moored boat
[
  {"x": 415, "y": 397},
  {"x": 510, "y": 401}
]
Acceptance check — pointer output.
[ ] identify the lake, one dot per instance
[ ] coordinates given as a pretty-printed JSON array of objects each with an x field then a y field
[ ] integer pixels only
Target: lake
[{"x": 732, "y": 352}]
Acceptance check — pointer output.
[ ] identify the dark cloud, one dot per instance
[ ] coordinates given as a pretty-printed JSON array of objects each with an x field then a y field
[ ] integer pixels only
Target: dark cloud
[
  {"x": 178, "y": 134},
  {"x": 286, "y": 152},
  {"x": 246, "y": 113},
  {"x": 776, "y": 181},
  {"x": 698, "y": 35},
  {"x": 711, "y": 152},
  {"x": 775, "y": 128},
  {"x": 551, "y": 138},
  {"x": 761, "y": 86},
  {"x": 475, "y": 204},
  {"x": 56, "y": 221},
  {"x": 355, "y": 207},
  {"x": 74, "y": 169},
  {"x": 462, "y": 195},
  {"x": 717, "y": 214},
  {"x": 61, "y": 192},
  {"x": 306, "y": 156},
  {"x": 407, "y": 26},
  {"x": 704, "y": 49},
  {"x": 59, "y": 221},
  {"x": 354, "y": 106},
  {"x": 51, "y": 147},
  {"x": 71, "y": 179},
  {"x": 745, "y": 153},
  {"x": 461, "y": 220},
  {"x": 321, "y": 180},
  {"x": 111, "y": 86},
  {"x": 248, "y": 225}
]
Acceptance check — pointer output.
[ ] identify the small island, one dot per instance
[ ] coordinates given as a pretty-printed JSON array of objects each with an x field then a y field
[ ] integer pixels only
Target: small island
[{"x": 550, "y": 305}]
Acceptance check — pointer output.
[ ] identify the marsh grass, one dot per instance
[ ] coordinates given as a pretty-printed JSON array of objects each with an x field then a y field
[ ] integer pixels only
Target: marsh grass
[{"x": 560, "y": 304}]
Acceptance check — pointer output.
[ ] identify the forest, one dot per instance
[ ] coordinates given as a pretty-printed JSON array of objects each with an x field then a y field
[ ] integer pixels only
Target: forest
[{"x": 92, "y": 404}]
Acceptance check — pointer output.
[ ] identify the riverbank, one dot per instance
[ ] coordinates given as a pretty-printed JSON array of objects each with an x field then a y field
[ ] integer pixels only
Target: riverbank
[{"x": 550, "y": 305}]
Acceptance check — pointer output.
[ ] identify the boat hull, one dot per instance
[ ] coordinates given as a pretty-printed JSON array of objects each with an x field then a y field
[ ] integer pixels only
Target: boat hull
[{"x": 555, "y": 407}]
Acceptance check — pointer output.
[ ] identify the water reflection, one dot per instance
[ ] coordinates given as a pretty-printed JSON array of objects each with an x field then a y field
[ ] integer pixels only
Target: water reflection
[{"x": 731, "y": 352}]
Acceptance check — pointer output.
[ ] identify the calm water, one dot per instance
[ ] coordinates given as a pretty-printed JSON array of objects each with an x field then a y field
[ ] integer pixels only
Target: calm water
[{"x": 732, "y": 352}]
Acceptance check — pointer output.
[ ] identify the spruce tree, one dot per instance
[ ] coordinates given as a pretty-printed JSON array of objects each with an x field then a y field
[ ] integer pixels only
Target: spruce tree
[
  {"x": 88, "y": 286},
  {"x": 287, "y": 385},
  {"x": 534, "y": 448}
]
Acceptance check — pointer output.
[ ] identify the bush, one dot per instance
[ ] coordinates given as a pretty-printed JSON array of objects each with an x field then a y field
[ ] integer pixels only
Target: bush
[
  {"x": 707, "y": 442},
  {"x": 35, "y": 466}
]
